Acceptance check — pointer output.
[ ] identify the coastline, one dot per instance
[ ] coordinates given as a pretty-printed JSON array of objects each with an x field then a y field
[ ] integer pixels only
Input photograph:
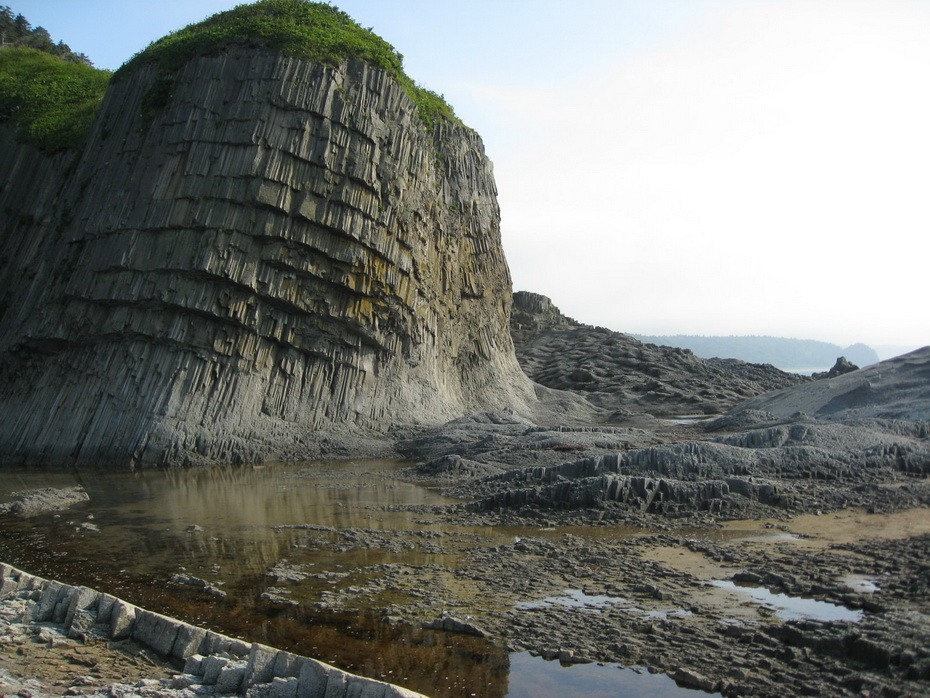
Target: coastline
[{"x": 46, "y": 625}]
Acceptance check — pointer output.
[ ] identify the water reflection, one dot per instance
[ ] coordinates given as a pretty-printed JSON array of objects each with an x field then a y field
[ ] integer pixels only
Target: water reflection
[
  {"x": 534, "y": 677},
  {"x": 230, "y": 526},
  {"x": 861, "y": 583},
  {"x": 793, "y": 607},
  {"x": 573, "y": 598}
]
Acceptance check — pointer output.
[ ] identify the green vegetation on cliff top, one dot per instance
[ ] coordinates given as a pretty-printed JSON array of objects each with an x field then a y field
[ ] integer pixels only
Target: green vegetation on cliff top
[
  {"x": 48, "y": 101},
  {"x": 311, "y": 30},
  {"x": 51, "y": 102}
]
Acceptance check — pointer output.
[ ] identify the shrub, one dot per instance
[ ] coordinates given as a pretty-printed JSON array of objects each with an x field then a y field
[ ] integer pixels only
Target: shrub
[{"x": 49, "y": 102}]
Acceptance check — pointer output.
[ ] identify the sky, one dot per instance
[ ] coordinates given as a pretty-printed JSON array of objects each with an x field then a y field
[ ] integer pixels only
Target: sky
[{"x": 717, "y": 167}]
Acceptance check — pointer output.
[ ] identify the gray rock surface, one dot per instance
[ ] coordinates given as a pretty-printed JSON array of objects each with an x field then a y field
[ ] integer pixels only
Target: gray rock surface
[
  {"x": 210, "y": 666},
  {"x": 795, "y": 466},
  {"x": 621, "y": 374},
  {"x": 898, "y": 388},
  {"x": 39, "y": 501},
  {"x": 841, "y": 366},
  {"x": 282, "y": 247}
]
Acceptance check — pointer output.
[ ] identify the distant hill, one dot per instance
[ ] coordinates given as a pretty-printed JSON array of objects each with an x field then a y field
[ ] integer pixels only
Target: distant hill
[{"x": 785, "y": 353}]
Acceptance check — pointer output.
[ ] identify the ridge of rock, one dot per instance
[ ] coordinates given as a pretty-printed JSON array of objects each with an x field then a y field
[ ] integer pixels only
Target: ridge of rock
[
  {"x": 617, "y": 372},
  {"x": 280, "y": 248},
  {"x": 897, "y": 388}
]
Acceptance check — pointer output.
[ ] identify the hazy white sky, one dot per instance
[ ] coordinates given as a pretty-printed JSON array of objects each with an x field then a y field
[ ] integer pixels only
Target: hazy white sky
[{"x": 669, "y": 167}]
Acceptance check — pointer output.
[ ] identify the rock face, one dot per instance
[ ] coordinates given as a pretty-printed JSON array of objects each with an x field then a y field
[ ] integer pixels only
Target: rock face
[
  {"x": 795, "y": 466},
  {"x": 616, "y": 371},
  {"x": 898, "y": 388},
  {"x": 841, "y": 366},
  {"x": 278, "y": 247}
]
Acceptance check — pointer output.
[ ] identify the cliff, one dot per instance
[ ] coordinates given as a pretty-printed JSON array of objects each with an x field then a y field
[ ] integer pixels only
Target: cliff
[
  {"x": 263, "y": 248},
  {"x": 617, "y": 372}
]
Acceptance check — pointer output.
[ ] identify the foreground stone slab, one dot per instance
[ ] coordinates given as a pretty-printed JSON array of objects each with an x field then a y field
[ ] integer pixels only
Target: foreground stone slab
[{"x": 213, "y": 663}]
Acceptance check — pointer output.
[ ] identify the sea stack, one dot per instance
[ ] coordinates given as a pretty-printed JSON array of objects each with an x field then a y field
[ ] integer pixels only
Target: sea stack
[{"x": 251, "y": 247}]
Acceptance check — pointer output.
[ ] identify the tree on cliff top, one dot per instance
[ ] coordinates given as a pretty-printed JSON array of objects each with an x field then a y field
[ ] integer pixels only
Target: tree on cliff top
[
  {"x": 312, "y": 30},
  {"x": 15, "y": 30},
  {"x": 49, "y": 95}
]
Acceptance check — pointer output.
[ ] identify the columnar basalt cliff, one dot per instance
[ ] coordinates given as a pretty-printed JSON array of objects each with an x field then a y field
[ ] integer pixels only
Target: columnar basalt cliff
[{"x": 249, "y": 250}]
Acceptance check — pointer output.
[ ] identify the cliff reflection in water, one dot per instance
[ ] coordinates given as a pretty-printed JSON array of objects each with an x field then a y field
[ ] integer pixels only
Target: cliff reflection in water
[{"x": 231, "y": 526}]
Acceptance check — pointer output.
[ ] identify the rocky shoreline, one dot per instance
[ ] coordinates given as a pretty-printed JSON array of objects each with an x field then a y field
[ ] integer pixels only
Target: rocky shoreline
[
  {"x": 38, "y": 611},
  {"x": 617, "y": 581},
  {"x": 754, "y": 553}
]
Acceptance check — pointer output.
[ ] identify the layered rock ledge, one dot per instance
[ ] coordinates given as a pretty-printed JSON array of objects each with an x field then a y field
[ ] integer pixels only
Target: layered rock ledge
[{"x": 212, "y": 662}]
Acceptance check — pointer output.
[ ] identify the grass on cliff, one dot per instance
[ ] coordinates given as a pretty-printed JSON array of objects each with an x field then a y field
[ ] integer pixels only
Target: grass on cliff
[
  {"x": 49, "y": 102},
  {"x": 311, "y": 30}
]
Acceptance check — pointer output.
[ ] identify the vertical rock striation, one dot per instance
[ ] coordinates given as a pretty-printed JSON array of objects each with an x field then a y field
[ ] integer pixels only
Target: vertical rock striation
[{"x": 276, "y": 247}]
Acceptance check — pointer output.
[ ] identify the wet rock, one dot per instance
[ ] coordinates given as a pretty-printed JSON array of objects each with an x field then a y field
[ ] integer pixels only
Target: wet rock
[
  {"x": 283, "y": 571},
  {"x": 453, "y": 467},
  {"x": 455, "y": 625},
  {"x": 223, "y": 666},
  {"x": 39, "y": 501},
  {"x": 870, "y": 653},
  {"x": 197, "y": 583},
  {"x": 692, "y": 679},
  {"x": 278, "y": 596}
]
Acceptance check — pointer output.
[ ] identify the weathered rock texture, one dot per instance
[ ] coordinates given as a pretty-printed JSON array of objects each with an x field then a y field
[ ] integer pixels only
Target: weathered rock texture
[
  {"x": 790, "y": 465},
  {"x": 32, "y": 502},
  {"x": 841, "y": 366},
  {"x": 616, "y": 371},
  {"x": 213, "y": 663},
  {"x": 280, "y": 247},
  {"x": 898, "y": 388}
]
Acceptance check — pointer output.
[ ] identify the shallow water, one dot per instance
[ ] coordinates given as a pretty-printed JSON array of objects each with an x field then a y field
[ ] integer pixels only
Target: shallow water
[
  {"x": 534, "y": 677},
  {"x": 793, "y": 607},
  {"x": 573, "y": 598},
  {"x": 689, "y": 418},
  {"x": 578, "y": 599},
  {"x": 230, "y": 526},
  {"x": 861, "y": 583},
  {"x": 333, "y": 523}
]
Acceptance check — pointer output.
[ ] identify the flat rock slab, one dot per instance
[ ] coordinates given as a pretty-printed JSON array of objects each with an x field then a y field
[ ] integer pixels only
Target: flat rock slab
[{"x": 40, "y": 501}]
